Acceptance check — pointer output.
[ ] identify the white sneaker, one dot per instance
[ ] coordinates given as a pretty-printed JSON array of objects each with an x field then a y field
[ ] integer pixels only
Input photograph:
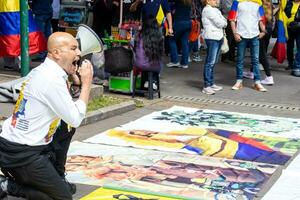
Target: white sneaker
[
  {"x": 184, "y": 66},
  {"x": 197, "y": 58},
  {"x": 268, "y": 81},
  {"x": 208, "y": 90},
  {"x": 248, "y": 74},
  {"x": 146, "y": 85},
  {"x": 216, "y": 87},
  {"x": 170, "y": 64}
]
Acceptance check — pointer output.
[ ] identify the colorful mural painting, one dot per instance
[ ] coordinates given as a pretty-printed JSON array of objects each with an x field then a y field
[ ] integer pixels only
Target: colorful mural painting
[
  {"x": 208, "y": 142},
  {"x": 173, "y": 174},
  {"x": 187, "y": 153}
]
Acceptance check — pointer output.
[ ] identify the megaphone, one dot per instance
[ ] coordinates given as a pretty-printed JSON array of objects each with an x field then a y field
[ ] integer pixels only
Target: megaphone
[{"x": 88, "y": 40}]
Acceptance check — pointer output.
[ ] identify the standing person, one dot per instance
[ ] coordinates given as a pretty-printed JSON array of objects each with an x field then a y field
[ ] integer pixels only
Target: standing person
[
  {"x": 182, "y": 27},
  {"x": 263, "y": 45},
  {"x": 148, "y": 49},
  {"x": 27, "y": 135},
  {"x": 246, "y": 20},
  {"x": 42, "y": 11},
  {"x": 225, "y": 6},
  {"x": 213, "y": 25},
  {"x": 55, "y": 16},
  {"x": 194, "y": 46},
  {"x": 290, "y": 11},
  {"x": 296, "y": 22}
]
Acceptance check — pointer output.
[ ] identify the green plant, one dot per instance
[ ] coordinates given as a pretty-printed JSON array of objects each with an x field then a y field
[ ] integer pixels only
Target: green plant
[{"x": 103, "y": 101}]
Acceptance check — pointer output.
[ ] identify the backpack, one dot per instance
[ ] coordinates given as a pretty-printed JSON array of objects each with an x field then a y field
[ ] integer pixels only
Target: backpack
[{"x": 195, "y": 30}]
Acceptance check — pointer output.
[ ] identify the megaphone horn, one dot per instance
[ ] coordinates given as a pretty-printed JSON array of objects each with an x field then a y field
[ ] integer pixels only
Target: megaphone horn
[{"x": 88, "y": 40}]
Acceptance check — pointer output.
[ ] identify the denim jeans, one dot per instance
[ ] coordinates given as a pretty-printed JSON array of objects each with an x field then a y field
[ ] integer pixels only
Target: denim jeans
[
  {"x": 297, "y": 57},
  {"x": 181, "y": 32},
  {"x": 213, "y": 50},
  {"x": 193, "y": 46},
  {"x": 253, "y": 43}
]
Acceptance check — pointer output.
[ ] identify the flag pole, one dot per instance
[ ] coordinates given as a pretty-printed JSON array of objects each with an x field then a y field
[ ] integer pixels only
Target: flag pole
[{"x": 24, "y": 37}]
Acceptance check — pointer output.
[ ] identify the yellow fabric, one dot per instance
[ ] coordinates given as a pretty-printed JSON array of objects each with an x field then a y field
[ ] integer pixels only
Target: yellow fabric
[
  {"x": 107, "y": 194},
  {"x": 9, "y": 5},
  {"x": 282, "y": 16},
  {"x": 160, "y": 15},
  {"x": 211, "y": 144},
  {"x": 159, "y": 139},
  {"x": 293, "y": 12}
]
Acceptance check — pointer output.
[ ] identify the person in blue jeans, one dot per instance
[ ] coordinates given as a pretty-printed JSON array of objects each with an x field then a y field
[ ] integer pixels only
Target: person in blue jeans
[
  {"x": 213, "y": 25},
  {"x": 182, "y": 27},
  {"x": 247, "y": 29}
]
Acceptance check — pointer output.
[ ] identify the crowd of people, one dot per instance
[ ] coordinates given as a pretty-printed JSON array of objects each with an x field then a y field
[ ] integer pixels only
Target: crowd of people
[{"x": 34, "y": 141}]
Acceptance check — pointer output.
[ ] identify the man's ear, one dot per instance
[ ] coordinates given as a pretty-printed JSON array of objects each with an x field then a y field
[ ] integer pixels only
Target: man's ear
[{"x": 56, "y": 53}]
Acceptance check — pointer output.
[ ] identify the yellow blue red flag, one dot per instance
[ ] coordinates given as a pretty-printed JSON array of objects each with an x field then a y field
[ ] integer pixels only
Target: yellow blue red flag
[
  {"x": 279, "y": 50},
  {"x": 10, "y": 30}
]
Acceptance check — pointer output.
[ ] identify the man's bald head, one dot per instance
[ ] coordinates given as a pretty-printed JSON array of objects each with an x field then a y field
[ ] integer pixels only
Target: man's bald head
[{"x": 58, "y": 40}]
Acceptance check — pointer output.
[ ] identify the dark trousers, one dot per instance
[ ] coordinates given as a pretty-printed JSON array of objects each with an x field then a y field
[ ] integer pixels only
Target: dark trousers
[
  {"x": 263, "y": 48},
  {"x": 43, "y": 179},
  {"x": 290, "y": 48}
]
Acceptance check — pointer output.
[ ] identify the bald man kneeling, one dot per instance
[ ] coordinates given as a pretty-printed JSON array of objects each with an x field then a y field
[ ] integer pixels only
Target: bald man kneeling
[{"x": 28, "y": 140}]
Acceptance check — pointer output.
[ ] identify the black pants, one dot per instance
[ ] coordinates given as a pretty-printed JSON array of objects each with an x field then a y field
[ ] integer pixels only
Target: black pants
[
  {"x": 43, "y": 179},
  {"x": 290, "y": 48},
  {"x": 263, "y": 58}
]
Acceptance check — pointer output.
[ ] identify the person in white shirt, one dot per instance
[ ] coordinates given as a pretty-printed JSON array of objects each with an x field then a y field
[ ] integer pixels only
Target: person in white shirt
[
  {"x": 213, "y": 24},
  {"x": 27, "y": 136},
  {"x": 247, "y": 24}
]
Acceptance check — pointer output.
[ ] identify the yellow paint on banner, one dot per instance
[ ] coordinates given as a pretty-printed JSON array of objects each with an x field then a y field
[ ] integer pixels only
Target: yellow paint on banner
[
  {"x": 108, "y": 194},
  {"x": 9, "y": 5}
]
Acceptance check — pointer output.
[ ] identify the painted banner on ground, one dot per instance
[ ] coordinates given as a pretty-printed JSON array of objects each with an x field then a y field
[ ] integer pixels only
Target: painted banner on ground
[{"x": 161, "y": 173}]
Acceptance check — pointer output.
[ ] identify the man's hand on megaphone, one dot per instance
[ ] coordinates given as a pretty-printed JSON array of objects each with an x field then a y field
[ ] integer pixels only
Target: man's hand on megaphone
[{"x": 86, "y": 73}]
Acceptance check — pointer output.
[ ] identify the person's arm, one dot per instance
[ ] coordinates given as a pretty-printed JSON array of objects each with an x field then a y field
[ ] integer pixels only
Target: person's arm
[
  {"x": 134, "y": 5},
  {"x": 56, "y": 95},
  {"x": 86, "y": 77},
  {"x": 170, "y": 23},
  {"x": 217, "y": 19},
  {"x": 262, "y": 29},
  {"x": 237, "y": 37}
]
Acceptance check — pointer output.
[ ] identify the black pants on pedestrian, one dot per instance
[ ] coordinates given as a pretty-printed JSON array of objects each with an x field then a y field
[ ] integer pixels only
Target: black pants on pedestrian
[
  {"x": 290, "y": 48},
  {"x": 263, "y": 57},
  {"x": 43, "y": 179}
]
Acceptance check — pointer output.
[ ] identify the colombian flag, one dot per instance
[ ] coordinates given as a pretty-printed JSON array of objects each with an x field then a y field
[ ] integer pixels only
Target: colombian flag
[
  {"x": 10, "y": 30},
  {"x": 279, "y": 50}
]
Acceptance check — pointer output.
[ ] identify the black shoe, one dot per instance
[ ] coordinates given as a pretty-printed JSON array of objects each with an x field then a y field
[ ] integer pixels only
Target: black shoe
[
  {"x": 2, "y": 193},
  {"x": 296, "y": 73}
]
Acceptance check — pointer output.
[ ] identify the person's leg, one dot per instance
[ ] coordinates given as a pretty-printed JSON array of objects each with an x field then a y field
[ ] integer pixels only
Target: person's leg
[
  {"x": 173, "y": 50},
  {"x": 263, "y": 58},
  {"x": 290, "y": 49},
  {"x": 241, "y": 49},
  {"x": 42, "y": 179},
  {"x": 60, "y": 145},
  {"x": 211, "y": 58},
  {"x": 185, "y": 48},
  {"x": 296, "y": 67},
  {"x": 254, "y": 51},
  {"x": 216, "y": 53}
]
